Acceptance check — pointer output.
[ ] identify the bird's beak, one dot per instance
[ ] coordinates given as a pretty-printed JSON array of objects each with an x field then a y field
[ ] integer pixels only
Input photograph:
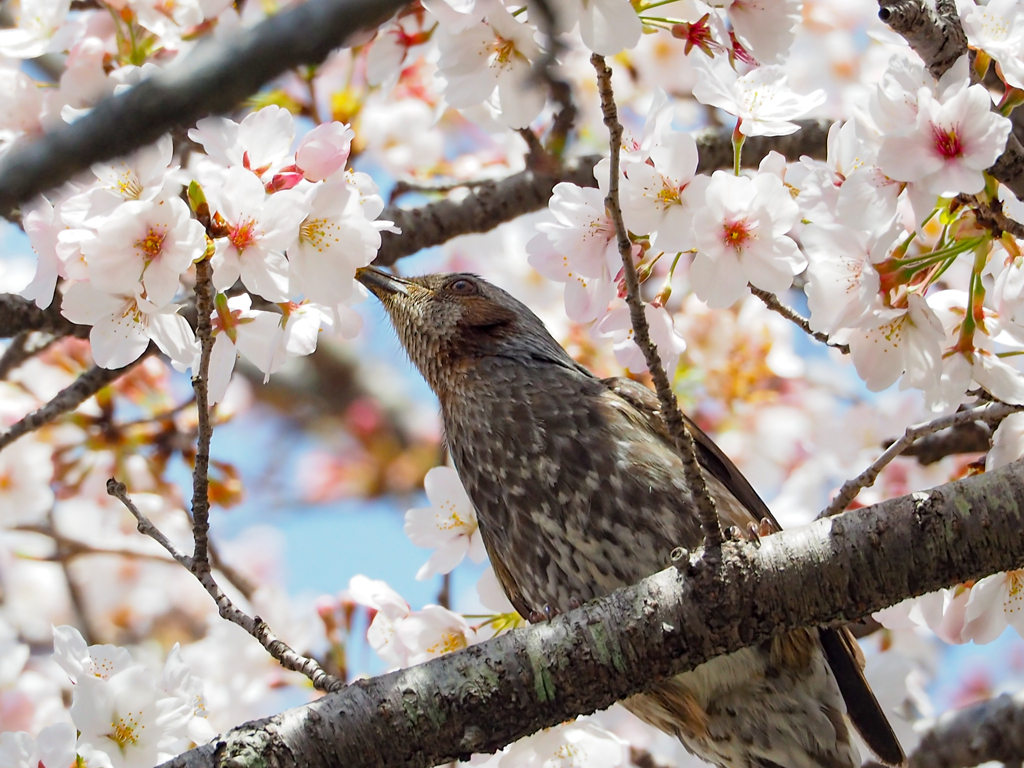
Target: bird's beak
[{"x": 381, "y": 284}]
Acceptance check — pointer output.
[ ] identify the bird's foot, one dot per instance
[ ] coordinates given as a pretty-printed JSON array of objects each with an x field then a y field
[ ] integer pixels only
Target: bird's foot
[{"x": 547, "y": 613}]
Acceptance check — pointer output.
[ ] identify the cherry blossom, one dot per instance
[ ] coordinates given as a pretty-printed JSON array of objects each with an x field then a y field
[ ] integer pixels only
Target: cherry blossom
[
  {"x": 42, "y": 223},
  {"x": 996, "y": 602},
  {"x": 81, "y": 660},
  {"x": 578, "y": 744},
  {"x": 262, "y": 141},
  {"x": 261, "y": 228},
  {"x": 760, "y": 100},
  {"x": 432, "y": 632},
  {"x": 324, "y": 150},
  {"x": 954, "y": 139},
  {"x": 448, "y": 525},
  {"x": 669, "y": 343},
  {"x": 1007, "y": 442},
  {"x": 579, "y": 249},
  {"x": 53, "y": 748},
  {"x": 126, "y": 721},
  {"x": 606, "y": 26},
  {"x": 338, "y": 236},
  {"x": 766, "y": 28},
  {"x": 25, "y": 474},
  {"x": 40, "y": 29},
  {"x": 661, "y": 197},
  {"x": 890, "y": 343},
  {"x": 842, "y": 283},
  {"x": 123, "y": 325},
  {"x": 998, "y": 29},
  {"x": 488, "y": 57},
  {"x": 741, "y": 238},
  {"x": 144, "y": 248}
]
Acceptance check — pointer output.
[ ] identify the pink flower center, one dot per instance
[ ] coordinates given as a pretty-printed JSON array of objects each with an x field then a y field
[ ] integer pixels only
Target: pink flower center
[
  {"x": 243, "y": 234},
  {"x": 152, "y": 243},
  {"x": 947, "y": 142},
  {"x": 736, "y": 233}
]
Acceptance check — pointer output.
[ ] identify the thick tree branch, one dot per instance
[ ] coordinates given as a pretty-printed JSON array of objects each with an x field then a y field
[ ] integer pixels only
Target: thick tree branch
[
  {"x": 477, "y": 700},
  {"x": 213, "y": 78},
  {"x": 990, "y": 730}
]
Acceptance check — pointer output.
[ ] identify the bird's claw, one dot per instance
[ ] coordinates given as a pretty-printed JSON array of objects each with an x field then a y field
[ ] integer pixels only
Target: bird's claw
[{"x": 547, "y": 613}]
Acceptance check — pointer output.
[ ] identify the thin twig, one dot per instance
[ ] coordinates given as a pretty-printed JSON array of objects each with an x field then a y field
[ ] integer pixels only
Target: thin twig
[
  {"x": 200, "y": 475},
  {"x": 544, "y": 69},
  {"x": 867, "y": 478},
  {"x": 641, "y": 333},
  {"x": 69, "y": 398},
  {"x": 254, "y": 625},
  {"x": 772, "y": 302},
  {"x": 991, "y": 216}
]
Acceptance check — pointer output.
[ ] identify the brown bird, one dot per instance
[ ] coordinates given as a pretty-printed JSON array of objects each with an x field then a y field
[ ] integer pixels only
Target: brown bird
[{"x": 579, "y": 491}]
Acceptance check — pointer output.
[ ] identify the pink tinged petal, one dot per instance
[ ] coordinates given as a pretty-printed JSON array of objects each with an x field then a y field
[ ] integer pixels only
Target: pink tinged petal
[
  {"x": 222, "y": 363},
  {"x": 984, "y": 617},
  {"x": 119, "y": 338},
  {"x": 84, "y": 305},
  {"x": 265, "y": 273},
  {"x": 875, "y": 351},
  {"x": 586, "y": 299},
  {"x": 1007, "y": 442},
  {"x": 376, "y": 594},
  {"x": 775, "y": 273},
  {"x": 324, "y": 150},
  {"x": 608, "y": 26},
  {"x": 1002, "y": 380},
  {"x": 519, "y": 96},
  {"x": 719, "y": 282},
  {"x": 226, "y": 266},
  {"x": 477, "y": 552},
  {"x": 174, "y": 336},
  {"x": 444, "y": 558}
]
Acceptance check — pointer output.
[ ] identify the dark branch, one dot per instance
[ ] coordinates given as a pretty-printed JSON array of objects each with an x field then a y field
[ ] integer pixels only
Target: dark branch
[
  {"x": 214, "y": 78},
  {"x": 477, "y": 700},
  {"x": 990, "y": 730},
  {"x": 965, "y": 438},
  {"x": 18, "y": 315}
]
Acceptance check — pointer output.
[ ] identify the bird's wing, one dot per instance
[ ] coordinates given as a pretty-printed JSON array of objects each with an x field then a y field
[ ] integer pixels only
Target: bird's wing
[{"x": 841, "y": 649}]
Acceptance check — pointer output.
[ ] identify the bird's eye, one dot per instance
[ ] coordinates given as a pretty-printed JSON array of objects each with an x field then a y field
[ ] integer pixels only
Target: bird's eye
[{"x": 462, "y": 287}]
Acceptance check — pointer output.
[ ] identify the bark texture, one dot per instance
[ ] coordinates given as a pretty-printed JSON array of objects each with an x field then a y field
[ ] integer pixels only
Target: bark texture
[{"x": 480, "y": 699}]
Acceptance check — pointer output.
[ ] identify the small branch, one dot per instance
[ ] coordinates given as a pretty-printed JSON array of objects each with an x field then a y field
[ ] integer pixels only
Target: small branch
[
  {"x": 69, "y": 398},
  {"x": 641, "y": 333},
  {"x": 23, "y": 347},
  {"x": 201, "y": 472},
  {"x": 772, "y": 302},
  {"x": 983, "y": 732},
  {"x": 963, "y": 438},
  {"x": 867, "y": 478},
  {"x": 991, "y": 216},
  {"x": 18, "y": 315},
  {"x": 254, "y": 625},
  {"x": 218, "y": 74},
  {"x": 120, "y": 492}
]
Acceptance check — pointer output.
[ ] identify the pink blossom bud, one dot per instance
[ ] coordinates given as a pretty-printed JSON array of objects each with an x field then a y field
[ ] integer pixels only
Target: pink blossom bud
[{"x": 324, "y": 150}]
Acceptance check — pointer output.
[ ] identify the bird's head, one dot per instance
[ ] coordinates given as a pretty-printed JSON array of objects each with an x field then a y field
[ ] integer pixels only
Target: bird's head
[{"x": 447, "y": 322}]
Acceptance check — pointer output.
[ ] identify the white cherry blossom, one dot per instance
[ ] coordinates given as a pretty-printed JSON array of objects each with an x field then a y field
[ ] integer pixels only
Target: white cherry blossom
[
  {"x": 262, "y": 141},
  {"x": 144, "y": 248},
  {"x": 54, "y": 747},
  {"x": 741, "y": 238},
  {"x": 606, "y": 26},
  {"x": 954, "y": 139},
  {"x": 661, "y": 198},
  {"x": 766, "y": 28},
  {"x": 81, "y": 660},
  {"x": 42, "y": 224},
  {"x": 1007, "y": 442},
  {"x": 669, "y": 343},
  {"x": 433, "y": 631},
  {"x": 998, "y": 29},
  {"x": 894, "y": 343},
  {"x": 448, "y": 525},
  {"x": 760, "y": 99},
  {"x": 842, "y": 283},
  {"x": 578, "y": 248},
  {"x": 123, "y": 325},
  {"x": 338, "y": 236},
  {"x": 126, "y": 721},
  {"x": 578, "y": 744},
  {"x": 40, "y": 29},
  {"x": 324, "y": 150},
  {"x": 996, "y": 602},
  {"x": 25, "y": 474},
  {"x": 261, "y": 228},
  {"x": 493, "y": 56}
]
